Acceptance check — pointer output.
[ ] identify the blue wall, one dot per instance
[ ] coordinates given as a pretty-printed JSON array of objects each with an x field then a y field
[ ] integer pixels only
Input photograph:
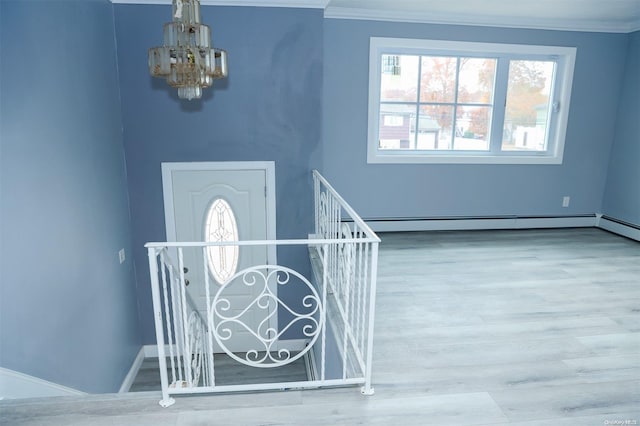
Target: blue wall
[
  {"x": 297, "y": 94},
  {"x": 622, "y": 193},
  {"x": 268, "y": 109},
  {"x": 67, "y": 306},
  {"x": 391, "y": 191}
]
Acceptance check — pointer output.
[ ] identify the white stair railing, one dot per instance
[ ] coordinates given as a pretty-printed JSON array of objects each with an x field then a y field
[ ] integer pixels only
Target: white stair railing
[
  {"x": 352, "y": 266},
  {"x": 186, "y": 330},
  {"x": 335, "y": 314}
]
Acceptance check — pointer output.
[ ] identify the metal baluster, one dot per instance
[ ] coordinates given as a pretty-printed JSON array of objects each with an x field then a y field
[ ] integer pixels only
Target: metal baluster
[
  {"x": 186, "y": 357},
  {"x": 316, "y": 197},
  {"x": 324, "y": 303},
  {"x": 155, "y": 294},
  {"x": 167, "y": 316},
  {"x": 353, "y": 289},
  {"x": 207, "y": 286},
  {"x": 367, "y": 294},
  {"x": 347, "y": 326},
  {"x": 367, "y": 389},
  {"x": 361, "y": 295},
  {"x": 177, "y": 319}
]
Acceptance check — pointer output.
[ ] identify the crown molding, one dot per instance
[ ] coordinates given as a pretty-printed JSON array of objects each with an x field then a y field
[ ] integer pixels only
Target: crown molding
[
  {"x": 336, "y": 12},
  {"x": 305, "y": 4},
  {"x": 483, "y": 21}
]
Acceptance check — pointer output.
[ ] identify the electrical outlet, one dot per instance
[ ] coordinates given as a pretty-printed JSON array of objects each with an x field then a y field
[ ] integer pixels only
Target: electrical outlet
[
  {"x": 565, "y": 201},
  {"x": 121, "y": 255}
]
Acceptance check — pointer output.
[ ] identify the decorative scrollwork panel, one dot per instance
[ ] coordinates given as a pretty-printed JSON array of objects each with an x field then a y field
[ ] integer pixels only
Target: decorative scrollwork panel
[{"x": 229, "y": 319}]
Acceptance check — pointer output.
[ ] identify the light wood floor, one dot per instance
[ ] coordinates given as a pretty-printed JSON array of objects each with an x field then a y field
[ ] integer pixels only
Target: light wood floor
[
  {"x": 228, "y": 372},
  {"x": 473, "y": 328}
]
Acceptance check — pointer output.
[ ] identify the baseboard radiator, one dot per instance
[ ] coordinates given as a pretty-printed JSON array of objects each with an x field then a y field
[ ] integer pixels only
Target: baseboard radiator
[
  {"x": 482, "y": 222},
  {"x": 620, "y": 227},
  {"x": 468, "y": 223}
]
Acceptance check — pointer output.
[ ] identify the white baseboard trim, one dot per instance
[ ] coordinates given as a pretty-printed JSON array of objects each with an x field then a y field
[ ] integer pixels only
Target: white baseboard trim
[
  {"x": 133, "y": 372},
  {"x": 151, "y": 351},
  {"x": 618, "y": 227},
  {"x": 14, "y": 385},
  {"x": 482, "y": 223},
  {"x": 294, "y": 345}
]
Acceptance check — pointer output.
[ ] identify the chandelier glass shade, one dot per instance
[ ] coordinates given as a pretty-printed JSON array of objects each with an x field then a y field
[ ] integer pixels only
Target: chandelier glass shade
[{"x": 186, "y": 60}]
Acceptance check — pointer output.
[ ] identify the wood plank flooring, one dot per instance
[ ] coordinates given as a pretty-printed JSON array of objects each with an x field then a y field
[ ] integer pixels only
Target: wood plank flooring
[
  {"x": 228, "y": 372},
  {"x": 537, "y": 327}
]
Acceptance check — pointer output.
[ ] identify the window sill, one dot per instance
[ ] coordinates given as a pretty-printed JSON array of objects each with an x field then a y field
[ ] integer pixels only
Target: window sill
[{"x": 462, "y": 159}]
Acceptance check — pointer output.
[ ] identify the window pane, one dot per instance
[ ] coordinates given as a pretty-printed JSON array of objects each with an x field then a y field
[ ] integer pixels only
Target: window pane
[
  {"x": 467, "y": 103},
  {"x": 395, "y": 131},
  {"x": 399, "y": 78},
  {"x": 221, "y": 225},
  {"x": 476, "y": 79},
  {"x": 438, "y": 79},
  {"x": 435, "y": 127},
  {"x": 472, "y": 128},
  {"x": 527, "y": 108}
]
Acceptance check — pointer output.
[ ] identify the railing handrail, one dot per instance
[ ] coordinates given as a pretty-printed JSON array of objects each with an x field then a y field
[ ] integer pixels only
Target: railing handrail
[
  {"x": 347, "y": 208},
  {"x": 311, "y": 241}
]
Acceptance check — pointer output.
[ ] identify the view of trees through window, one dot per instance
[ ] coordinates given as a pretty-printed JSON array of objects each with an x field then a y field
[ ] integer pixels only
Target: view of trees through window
[
  {"x": 527, "y": 105},
  {"x": 447, "y": 103}
]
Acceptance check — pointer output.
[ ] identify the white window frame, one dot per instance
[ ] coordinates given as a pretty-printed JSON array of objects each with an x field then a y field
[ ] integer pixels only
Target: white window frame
[{"x": 560, "y": 99}]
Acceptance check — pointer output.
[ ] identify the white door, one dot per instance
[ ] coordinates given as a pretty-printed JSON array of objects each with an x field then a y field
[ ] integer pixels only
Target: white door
[{"x": 222, "y": 202}]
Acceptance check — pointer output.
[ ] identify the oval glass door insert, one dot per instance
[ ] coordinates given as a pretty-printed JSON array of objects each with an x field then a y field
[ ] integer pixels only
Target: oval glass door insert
[{"x": 221, "y": 225}]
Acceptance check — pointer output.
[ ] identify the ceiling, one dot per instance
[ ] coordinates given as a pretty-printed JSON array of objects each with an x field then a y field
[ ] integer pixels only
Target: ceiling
[
  {"x": 587, "y": 15},
  {"x": 620, "y": 16}
]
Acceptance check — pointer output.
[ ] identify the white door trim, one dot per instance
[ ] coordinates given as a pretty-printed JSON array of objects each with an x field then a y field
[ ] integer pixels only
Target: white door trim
[
  {"x": 270, "y": 181},
  {"x": 267, "y": 166}
]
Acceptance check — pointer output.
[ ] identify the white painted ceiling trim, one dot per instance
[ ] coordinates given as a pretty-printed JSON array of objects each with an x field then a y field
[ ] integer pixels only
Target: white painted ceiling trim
[
  {"x": 482, "y": 21},
  {"x": 380, "y": 10},
  {"x": 305, "y": 4}
]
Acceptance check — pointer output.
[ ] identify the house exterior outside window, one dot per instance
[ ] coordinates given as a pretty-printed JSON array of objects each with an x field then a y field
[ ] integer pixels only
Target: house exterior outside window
[{"x": 436, "y": 101}]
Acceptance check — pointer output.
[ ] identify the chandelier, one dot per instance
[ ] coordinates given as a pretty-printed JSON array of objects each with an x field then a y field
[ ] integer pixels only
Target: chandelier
[{"x": 187, "y": 60}]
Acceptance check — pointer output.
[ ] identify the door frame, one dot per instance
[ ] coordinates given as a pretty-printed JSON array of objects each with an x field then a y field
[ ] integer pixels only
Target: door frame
[{"x": 270, "y": 181}]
